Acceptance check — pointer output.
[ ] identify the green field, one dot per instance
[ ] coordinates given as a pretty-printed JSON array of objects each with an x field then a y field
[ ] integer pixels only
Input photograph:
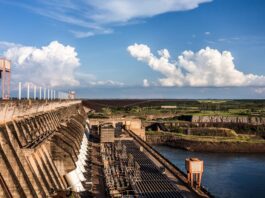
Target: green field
[
  {"x": 188, "y": 107},
  {"x": 239, "y": 138}
]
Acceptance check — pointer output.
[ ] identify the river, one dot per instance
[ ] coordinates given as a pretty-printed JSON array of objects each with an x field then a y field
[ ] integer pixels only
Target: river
[{"x": 225, "y": 175}]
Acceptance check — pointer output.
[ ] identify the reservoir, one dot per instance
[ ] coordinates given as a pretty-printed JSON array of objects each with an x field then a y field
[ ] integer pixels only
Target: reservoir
[{"x": 227, "y": 175}]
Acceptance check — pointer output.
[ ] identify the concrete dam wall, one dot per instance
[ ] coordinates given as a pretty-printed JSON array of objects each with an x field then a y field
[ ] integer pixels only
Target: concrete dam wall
[
  {"x": 229, "y": 119},
  {"x": 40, "y": 145}
]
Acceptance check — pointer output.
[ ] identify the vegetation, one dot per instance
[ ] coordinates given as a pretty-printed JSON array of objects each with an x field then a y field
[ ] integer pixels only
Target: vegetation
[
  {"x": 212, "y": 101},
  {"x": 211, "y": 131},
  {"x": 151, "y": 110},
  {"x": 96, "y": 115},
  {"x": 238, "y": 138},
  {"x": 143, "y": 108}
]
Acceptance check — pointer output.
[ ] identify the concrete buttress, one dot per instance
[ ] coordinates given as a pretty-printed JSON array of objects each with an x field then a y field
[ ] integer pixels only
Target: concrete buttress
[{"x": 39, "y": 145}]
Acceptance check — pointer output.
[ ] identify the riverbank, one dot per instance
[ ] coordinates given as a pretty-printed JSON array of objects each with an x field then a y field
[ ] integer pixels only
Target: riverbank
[{"x": 240, "y": 144}]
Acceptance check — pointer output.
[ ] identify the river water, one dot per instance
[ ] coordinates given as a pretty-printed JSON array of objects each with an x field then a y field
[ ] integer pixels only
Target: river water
[{"x": 225, "y": 175}]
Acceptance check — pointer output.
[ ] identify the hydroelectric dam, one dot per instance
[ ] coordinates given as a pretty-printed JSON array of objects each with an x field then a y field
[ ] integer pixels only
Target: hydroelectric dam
[{"x": 52, "y": 149}]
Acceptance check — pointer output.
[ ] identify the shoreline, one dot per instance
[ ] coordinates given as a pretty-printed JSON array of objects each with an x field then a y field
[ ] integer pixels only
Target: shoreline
[{"x": 206, "y": 146}]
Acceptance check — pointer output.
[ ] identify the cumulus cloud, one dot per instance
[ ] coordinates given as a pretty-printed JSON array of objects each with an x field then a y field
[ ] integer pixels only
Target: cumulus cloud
[
  {"x": 97, "y": 15},
  {"x": 207, "y": 67},
  {"x": 52, "y": 65}
]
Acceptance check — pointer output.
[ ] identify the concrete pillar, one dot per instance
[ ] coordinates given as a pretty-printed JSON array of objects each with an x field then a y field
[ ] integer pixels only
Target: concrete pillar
[
  {"x": 48, "y": 156},
  {"x": 51, "y": 94},
  {"x": 34, "y": 167},
  {"x": 44, "y": 170},
  {"x": 40, "y": 93},
  {"x": 35, "y": 92},
  {"x": 44, "y": 93},
  {"x": 28, "y": 92},
  {"x": 20, "y": 135},
  {"x": 19, "y": 90},
  {"x": 49, "y": 168}
]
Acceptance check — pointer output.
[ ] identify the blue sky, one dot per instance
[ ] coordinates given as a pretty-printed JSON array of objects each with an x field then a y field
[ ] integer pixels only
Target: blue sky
[{"x": 100, "y": 32}]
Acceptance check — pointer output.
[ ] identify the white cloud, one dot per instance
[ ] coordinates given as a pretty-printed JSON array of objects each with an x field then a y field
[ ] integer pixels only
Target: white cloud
[
  {"x": 110, "y": 83},
  {"x": 126, "y": 10},
  {"x": 207, "y": 33},
  {"x": 52, "y": 65},
  {"x": 91, "y": 80},
  {"x": 146, "y": 83},
  {"x": 207, "y": 67},
  {"x": 97, "y": 15},
  {"x": 6, "y": 45},
  {"x": 79, "y": 34}
]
